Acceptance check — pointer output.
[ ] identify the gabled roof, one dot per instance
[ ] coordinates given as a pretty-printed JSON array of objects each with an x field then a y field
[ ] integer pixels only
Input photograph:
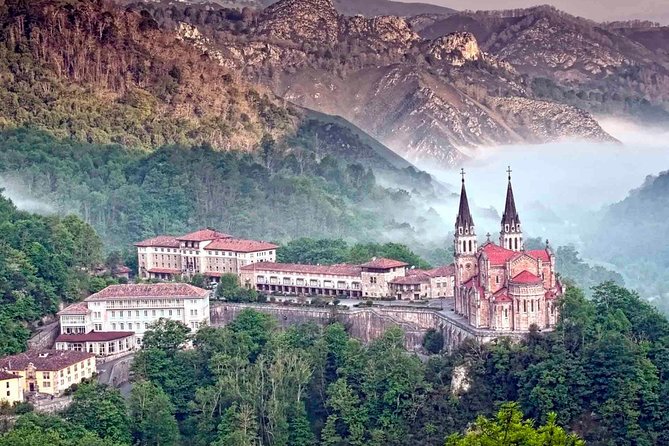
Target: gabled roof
[
  {"x": 203, "y": 235},
  {"x": 94, "y": 336},
  {"x": 75, "y": 309},
  {"x": 442, "y": 271},
  {"x": 148, "y": 290},
  {"x": 6, "y": 375},
  {"x": 48, "y": 360},
  {"x": 164, "y": 271},
  {"x": 541, "y": 254},
  {"x": 162, "y": 241},
  {"x": 383, "y": 263},
  {"x": 412, "y": 279},
  {"x": 327, "y": 270},
  {"x": 526, "y": 277},
  {"x": 496, "y": 254},
  {"x": 502, "y": 296},
  {"x": 239, "y": 245}
]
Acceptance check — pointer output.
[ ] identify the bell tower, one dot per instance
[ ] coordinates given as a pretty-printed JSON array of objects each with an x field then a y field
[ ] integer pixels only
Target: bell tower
[
  {"x": 511, "y": 236},
  {"x": 465, "y": 244}
]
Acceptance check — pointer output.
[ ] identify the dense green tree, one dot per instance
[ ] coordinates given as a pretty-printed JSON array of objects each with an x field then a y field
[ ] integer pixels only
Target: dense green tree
[
  {"x": 152, "y": 419},
  {"x": 40, "y": 430},
  {"x": 433, "y": 341},
  {"x": 102, "y": 410},
  {"x": 509, "y": 429},
  {"x": 167, "y": 335}
]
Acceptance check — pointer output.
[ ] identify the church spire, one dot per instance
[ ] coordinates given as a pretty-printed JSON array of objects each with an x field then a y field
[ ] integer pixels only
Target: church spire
[
  {"x": 510, "y": 216},
  {"x": 464, "y": 220},
  {"x": 511, "y": 236}
]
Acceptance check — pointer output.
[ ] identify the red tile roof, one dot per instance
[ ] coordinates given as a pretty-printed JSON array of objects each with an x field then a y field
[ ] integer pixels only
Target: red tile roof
[
  {"x": 501, "y": 296},
  {"x": 526, "y": 277},
  {"x": 138, "y": 291},
  {"x": 48, "y": 360},
  {"x": 162, "y": 241},
  {"x": 496, "y": 254},
  {"x": 5, "y": 375},
  {"x": 213, "y": 274},
  {"x": 540, "y": 254},
  {"x": 75, "y": 309},
  {"x": 164, "y": 271},
  {"x": 330, "y": 270},
  {"x": 239, "y": 245},
  {"x": 382, "y": 263},
  {"x": 442, "y": 271},
  {"x": 412, "y": 279},
  {"x": 122, "y": 269},
  {"x": 95, "y": 336},
  {"x": 203, "y": 235}
]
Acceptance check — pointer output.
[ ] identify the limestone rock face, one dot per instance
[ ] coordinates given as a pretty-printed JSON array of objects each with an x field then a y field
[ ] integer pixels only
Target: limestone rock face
[
  {"x": 316, "y": 21},
  {"x": 456, "y": 48}
]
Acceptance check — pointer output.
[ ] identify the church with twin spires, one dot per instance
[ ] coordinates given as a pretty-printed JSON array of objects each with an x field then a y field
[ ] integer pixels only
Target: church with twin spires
[{"x": 503, "y": 287}]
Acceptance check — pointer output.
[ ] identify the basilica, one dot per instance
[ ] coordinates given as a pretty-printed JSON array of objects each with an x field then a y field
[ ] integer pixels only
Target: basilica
[{"x": 503, "y": 287}]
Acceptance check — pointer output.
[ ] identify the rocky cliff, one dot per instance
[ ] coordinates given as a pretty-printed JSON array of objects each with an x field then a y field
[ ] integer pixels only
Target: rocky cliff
[{"x": 430, "y": 100}]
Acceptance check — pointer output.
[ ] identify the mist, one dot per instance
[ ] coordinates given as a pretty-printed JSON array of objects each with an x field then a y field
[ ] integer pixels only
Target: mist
[
  {"x": 22, "y": 200},
  {"x": 558, "y": 187}
]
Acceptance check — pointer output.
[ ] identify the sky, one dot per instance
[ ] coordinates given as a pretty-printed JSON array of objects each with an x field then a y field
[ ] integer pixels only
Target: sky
[{"x": 601, "y": 10}]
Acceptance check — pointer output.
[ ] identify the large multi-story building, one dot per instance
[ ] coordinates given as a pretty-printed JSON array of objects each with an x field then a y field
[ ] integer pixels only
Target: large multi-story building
[
  {"x": 378, "y": 279},
  {"x": 503, "y": 287},
  {"x": 49, "y": 371},
  {"x": 207, "y": 252},
  {"x": 115, "y": 319}
]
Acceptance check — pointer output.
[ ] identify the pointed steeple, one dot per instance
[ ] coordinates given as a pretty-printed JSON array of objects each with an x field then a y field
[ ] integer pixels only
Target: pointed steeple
[
  {"x": 510, "y": 216},
  {"x": 511, "y": 236},
  {"x": 464, "y": 219}
]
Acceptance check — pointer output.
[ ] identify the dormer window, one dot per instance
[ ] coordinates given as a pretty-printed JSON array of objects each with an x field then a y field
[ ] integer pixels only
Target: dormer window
[
  {"x": 518, "y": 227},
  {"x": 460, "y": 230},
  {"x": 466, "y": 230},
  {"x": 506, "y": 228}
]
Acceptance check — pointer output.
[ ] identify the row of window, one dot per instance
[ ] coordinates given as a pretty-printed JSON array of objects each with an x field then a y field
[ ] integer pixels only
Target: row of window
[{"x": 154, "y": 313}]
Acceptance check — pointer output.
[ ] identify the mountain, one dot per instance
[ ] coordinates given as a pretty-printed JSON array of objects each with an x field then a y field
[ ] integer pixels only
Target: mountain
[
  {"x": 101, "y": 74},
  {"x": 614, "y": 68},
  {"x": 434, "y": 101},
  {"x": 369, "y": 8}
]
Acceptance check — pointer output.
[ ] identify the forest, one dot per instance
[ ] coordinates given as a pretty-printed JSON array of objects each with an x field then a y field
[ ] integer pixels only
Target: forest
[
  {"x": 603, "y": 376},
  {"x": 43, "y": 261}
]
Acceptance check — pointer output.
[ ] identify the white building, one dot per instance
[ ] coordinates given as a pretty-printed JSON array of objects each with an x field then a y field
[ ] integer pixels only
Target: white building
[
  {"x": 129, "y": 310},
  {"x": 207, "y": 252}
]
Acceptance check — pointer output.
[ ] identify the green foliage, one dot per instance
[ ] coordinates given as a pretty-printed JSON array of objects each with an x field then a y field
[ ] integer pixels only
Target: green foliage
[
  {"x": 42, "y": 260},
  {"x": 329, "y": 252},
  {"x": 509, "y": 429},
  {"x": 152, "y": 416},
  {"x": 167, "y": 335},
  {"x": 102, "y": 410},
  {"x": 40, "y": 430},
  {"x": 230, "y": 290},
  {"x": 129, "y": 195},
  {"x": 433, "y": 341}
]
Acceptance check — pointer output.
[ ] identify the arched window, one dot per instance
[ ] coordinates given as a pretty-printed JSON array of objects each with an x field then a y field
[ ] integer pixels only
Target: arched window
[
  {"x": 470, "y": 246},
  {"x": 532, "y": 306},
  {"x": 506, "y": 313},
  {"x": 464, "y": 246},
  {"x": 524, "y": 306},
  {"x": 516, "y": 242},
  {"x": 496, "y": 279},
  {"x": 510, "y": 244}
]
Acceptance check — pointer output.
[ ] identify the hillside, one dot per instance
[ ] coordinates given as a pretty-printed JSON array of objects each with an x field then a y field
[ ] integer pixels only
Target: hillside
[
  {"x": 616, "y": 68},
  {"x": 434, "y": 102},
  {"x": 632, "y": 235}
]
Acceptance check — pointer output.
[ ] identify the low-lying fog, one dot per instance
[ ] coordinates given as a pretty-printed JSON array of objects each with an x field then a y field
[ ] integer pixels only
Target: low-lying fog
[{"x": 559, "y": 186}]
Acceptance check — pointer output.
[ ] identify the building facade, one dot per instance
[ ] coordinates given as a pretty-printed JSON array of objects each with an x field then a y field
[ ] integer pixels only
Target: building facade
[
  {"x": 49, "y": 371},
  {"x": 11, "y": 388},
  {"x": 378, "y": 279},
  {"x": 207, "y": 252},
  {"x": 503, "y": 287},
  {"x": 115, "y": 319}
]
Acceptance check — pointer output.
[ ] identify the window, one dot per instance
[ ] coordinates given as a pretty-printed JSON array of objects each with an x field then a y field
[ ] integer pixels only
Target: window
[
  {"x": 113, "y": 326},
  {"x": 46, "y": 384},
  {"x": 532, "y": 306},
  {"x": 146, "y": 313},
  {"x": 97, "y": 327},
  {"x": 525, "y": 306},
  {"x": 496, "y": 279},
  {"x": 46, "y": 375}
]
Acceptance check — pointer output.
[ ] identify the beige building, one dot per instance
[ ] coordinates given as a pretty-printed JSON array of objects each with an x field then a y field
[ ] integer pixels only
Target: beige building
[
  {"x": 310, "y": 280},
  {"x": 102, "y": 344},
  {"x": 49, "y": 371},
  {"x": 207, "y": 252},
  {"x": 11, "y": 388},
  {"x": 378, "y": 279}
]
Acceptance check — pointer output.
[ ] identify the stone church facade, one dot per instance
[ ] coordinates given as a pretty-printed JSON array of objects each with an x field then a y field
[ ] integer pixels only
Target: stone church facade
[{"x": 503, "y": 286}]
